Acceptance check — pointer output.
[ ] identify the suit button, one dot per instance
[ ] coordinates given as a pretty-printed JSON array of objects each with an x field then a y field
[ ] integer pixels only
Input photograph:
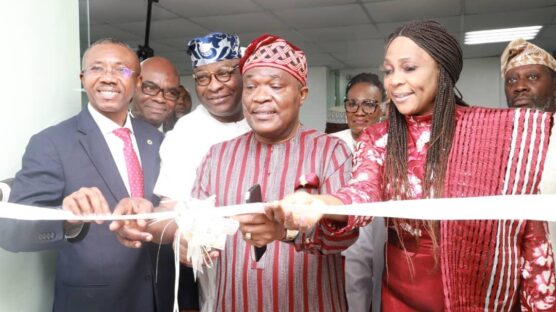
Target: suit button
[{"x": 148, "y": 277}]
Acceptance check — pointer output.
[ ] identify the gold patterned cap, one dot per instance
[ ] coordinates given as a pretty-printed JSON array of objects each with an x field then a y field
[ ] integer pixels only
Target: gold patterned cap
[{"x": 520, "y": 52}]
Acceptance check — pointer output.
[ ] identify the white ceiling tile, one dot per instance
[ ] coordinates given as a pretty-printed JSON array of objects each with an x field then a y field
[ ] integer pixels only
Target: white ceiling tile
[
  {"x": 177, "y": 27},
  {"x": 548, "y": 44},
  {"x": 355, "y": 45},
  {"x": 548, "y": 32},
  {"x": 291, "y": 36},
  {"x": 246, "y": 38},
  {"x": 367, "y": 31},
  {"x": 241, "y": 23},
  {"x": 451, "y": 23},
  {"x": 177, "y": 57},
  {"x": 309, "y": 47},
  {"x": 125, "y": 11},
  {"x": 323, "y": 59},
  {"x": 100, "y": 31},
  {"x": 361, "y": 57},
  {"x": 406, "y": 10},
  {"x": 509, "y": 19},
  {"x": 291, "y": 4},
  {"x": 497, "y": 6},
  {"x": 315, "y": 17},
  {"x": 483, "y": 50},
  {"x": 199, "y": 8},
  {"x": 179, "y": 43},
  {"x": 159, "y": 46},
  {"x": 333, "y": 33}
]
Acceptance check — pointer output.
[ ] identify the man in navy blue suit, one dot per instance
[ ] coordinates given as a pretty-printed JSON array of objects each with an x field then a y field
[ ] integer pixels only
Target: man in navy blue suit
[{"x": 86, "y": 164}]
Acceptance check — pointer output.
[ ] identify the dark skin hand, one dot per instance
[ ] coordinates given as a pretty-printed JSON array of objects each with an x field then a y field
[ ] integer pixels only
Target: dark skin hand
[
  {"x": 132, "y": 233},
  {"x": 263, "y": 229},
  {"x": 86, "y": 201}
]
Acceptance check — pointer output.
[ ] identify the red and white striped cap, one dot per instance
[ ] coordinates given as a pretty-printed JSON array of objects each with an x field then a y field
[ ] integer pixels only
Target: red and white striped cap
[{"x": 273, "y": 51}]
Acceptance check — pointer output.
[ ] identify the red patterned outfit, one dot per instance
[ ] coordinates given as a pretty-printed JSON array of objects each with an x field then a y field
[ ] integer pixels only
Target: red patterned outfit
[
  {"x": 303, "y": 275},
  {"x": 482, "y": 265}
]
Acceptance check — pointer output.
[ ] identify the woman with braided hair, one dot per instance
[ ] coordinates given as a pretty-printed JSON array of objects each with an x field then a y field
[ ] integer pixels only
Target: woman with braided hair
[{"x": 433, "y": 145}]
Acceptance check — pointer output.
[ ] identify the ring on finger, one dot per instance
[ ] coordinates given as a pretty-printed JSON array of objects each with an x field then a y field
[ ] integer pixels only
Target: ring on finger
[{"x": 248, "y": 236}]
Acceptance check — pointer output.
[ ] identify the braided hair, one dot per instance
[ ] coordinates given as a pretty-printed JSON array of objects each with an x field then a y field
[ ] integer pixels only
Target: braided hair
[{"x": 445, "y": 50}]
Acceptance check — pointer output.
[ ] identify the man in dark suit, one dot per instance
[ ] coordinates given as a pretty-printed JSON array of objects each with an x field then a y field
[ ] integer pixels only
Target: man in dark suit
[{"x": 86, "y": 164}]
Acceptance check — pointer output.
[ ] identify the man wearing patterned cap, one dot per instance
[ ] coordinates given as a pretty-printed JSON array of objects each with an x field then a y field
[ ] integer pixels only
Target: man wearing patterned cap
[
  {"x": 298, "y": 271},
  {"x": 529, "y": 76},
  {"x": 215, "y": 60}
]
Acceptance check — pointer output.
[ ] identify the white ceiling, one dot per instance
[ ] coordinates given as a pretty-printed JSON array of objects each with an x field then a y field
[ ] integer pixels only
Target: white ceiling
[{"x": 340, "y": 34}]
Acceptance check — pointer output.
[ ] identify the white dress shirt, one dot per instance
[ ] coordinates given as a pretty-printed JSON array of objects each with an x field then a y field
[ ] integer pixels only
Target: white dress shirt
[
  {"x": 115, "y": 144},
  {"x": 181, "y": 154},
  {"x": 185, "y": 146}
]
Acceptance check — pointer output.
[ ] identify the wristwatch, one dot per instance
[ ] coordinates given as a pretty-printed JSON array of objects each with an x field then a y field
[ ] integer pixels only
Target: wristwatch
[{"x": 290, "y": 235}]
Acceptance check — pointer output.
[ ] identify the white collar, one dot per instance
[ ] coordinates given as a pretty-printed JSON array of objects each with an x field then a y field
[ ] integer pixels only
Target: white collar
[{"x": 105, "y": 124}]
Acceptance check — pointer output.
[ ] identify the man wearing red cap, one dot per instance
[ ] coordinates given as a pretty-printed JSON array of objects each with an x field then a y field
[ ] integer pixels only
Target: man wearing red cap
[
  {"x": 281, "y": 155},
  {"x": 298, "y": 271}
]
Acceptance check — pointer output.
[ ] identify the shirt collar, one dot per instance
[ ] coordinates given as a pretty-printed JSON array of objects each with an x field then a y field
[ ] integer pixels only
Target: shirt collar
[{"x": 105, "y": 124}]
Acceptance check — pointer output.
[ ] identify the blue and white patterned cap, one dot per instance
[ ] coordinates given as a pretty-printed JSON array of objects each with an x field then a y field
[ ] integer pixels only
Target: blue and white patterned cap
[{"x": 214, "y": 47}]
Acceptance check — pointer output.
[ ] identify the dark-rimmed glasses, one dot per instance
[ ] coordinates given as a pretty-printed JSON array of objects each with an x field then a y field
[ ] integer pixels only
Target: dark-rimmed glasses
[
  {"x": 368, "y": 106},
  {"x": 224, "y": 74},
  {"x": 97, "y": 70},
  {"x": 153, "y": 89}
]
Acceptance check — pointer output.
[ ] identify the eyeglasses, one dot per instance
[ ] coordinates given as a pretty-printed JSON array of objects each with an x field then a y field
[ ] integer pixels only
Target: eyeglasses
[
  {"x": 97, "y": 70},
  {"x": 368, "y": 106},
  {"x": 153, "y": 89},
  {"x": 203, "y": 78}
]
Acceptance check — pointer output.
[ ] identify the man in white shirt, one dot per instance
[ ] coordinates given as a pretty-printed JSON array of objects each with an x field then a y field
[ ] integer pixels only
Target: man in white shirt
[{"x": 215, "y": 59}]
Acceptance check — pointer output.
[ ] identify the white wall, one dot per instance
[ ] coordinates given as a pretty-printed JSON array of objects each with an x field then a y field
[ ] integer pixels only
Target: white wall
[
  {"x": 40, "y": 71},
  {"x": 313, "y": 111},
  {"x": 189, "y": 84},
  {"x": 481, "y": 83}
]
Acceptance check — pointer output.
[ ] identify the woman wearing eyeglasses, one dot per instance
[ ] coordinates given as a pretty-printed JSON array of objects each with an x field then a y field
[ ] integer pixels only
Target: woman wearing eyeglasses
[
  {"x": 364, "y": 95},
  {"x": 364, "y": 260}
]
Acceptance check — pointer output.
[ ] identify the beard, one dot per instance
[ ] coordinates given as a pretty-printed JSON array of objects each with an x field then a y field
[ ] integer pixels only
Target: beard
[{"x": 547, "y": 105}]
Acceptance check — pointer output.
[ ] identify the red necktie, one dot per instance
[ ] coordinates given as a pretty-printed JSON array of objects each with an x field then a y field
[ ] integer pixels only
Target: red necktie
[{"x": 134, "y": 171}]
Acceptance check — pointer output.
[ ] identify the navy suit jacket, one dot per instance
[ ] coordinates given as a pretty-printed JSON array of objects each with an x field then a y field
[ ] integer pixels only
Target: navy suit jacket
[{"x": 95, "y": 272}]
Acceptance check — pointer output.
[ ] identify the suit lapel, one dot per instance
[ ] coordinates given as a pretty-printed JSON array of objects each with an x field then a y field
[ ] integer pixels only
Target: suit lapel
[
  {"x": 149, "y": 157},
  {"x": 95, "y": 146}
]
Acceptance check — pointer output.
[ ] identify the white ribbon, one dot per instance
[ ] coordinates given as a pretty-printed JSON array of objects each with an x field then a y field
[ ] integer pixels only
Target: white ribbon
[
  {"x": 509, "y": 207},
  {"x": 26, "y": 212},
  {"x": 205, "y": 226}
]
